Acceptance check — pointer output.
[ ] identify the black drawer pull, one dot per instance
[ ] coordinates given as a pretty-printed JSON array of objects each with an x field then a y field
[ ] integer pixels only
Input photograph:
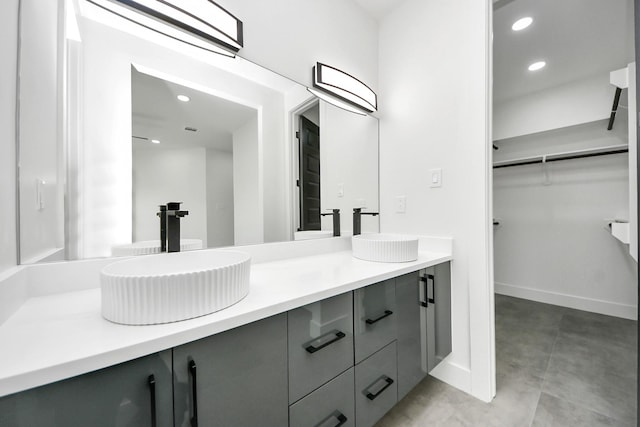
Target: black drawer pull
[
  {"x": 387, "y": 313},
  {"x": 335, "y": 415},
  {"x": 372, "y": 396},
  {"x": 194, "y": 393},
  {"x": 338, "y": 336},
  {"x": 152, "y": 392}
]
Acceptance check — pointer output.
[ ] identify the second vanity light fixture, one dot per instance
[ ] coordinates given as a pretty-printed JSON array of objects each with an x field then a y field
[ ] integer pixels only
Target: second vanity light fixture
[
  {"x": 200, "y": 23},
  {"x": 342, "y": 90}
]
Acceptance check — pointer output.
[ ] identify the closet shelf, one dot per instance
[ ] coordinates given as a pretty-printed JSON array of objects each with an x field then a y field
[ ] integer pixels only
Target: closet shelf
[{"x": 567, "y": 155}]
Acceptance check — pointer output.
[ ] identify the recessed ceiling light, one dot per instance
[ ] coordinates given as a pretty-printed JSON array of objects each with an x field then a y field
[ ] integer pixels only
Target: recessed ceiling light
[
  {"x": 184, "y": 98},
  {"x": 522, "y": 23},
  {"x": 537, "y": 65},
  {"x": 155, "y": 141}
]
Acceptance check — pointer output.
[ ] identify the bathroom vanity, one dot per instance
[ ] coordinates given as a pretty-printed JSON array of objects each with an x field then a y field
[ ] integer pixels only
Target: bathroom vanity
[{"x": 321, "y": 339}]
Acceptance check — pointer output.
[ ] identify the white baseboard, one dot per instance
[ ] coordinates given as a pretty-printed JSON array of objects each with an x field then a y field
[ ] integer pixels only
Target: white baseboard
[
  {"x": 580, "y": 303},
  {"x": 454, "y": 375}
]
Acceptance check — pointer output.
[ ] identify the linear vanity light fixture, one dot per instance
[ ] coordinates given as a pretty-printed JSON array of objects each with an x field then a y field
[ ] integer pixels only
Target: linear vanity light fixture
[
  {"x": 200, "y": 23},
  {"x": 342, "y": 90}
]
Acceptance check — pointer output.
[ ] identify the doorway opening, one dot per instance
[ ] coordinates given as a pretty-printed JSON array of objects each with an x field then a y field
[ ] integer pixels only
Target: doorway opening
[{"x": 307, "y": 168}]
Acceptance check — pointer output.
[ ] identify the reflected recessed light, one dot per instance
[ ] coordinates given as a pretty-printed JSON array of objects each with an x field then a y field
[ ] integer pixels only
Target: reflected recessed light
[
  {"x": 522, "y": 23},
  {"x": 184, "y": 98},
  {"x": 537, "y": 65},
  {"x": 155, "y": 141}
]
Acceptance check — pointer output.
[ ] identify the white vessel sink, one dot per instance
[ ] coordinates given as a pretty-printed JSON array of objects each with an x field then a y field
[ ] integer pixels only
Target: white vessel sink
[
  {"x": 176, "y": 286},
  {"x": 385, "y": 247},
  {"x": 147, "y": 247}
]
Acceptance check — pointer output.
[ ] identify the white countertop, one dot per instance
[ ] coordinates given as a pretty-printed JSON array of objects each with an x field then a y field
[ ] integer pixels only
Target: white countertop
[{"x": 58, "y": 336}]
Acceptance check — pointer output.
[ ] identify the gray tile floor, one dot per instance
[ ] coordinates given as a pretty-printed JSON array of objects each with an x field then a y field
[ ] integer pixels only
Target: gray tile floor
[{"x": 555, "y": 367}]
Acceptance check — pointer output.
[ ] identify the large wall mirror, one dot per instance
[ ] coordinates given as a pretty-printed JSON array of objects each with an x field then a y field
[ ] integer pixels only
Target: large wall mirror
[{"x": 104, "y": 140}]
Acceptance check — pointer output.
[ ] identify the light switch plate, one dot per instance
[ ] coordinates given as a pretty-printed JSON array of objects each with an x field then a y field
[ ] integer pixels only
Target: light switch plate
[
  {"x": 435, "y": 178},
  {"x": 401, "y": 204},
  {"x": 340, "y": 190}
]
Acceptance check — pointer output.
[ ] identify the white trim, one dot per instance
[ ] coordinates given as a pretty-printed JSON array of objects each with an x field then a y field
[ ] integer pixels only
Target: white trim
[
  {"x": 454, "y": 375},
  {"x": 626, "y": 311}
]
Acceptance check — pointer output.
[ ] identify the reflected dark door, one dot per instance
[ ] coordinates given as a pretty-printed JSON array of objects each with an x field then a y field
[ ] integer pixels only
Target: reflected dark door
[{"x": 309, "y": 140}]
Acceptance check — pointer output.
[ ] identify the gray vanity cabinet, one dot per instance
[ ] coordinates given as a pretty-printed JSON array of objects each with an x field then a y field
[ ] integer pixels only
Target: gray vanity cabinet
[
  {"x": 118, "y": 396},
  {"x": 320, "y": 343},
  {"x": 438, "y": 288},
  {"x": 235, "y": 378},
  {"x": 376, "y": 386},
  {"x": 331, "y": 405},
  {"x": 412, "y": 332},
  {"x": 374, "y": 318}
]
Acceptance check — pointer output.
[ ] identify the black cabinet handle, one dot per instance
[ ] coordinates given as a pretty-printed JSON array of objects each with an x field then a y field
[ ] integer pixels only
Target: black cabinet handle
[
  {"x": 341, "y": 419},
  {"x": 194, "y": 393},
  {"x": 431, "y": 277},
  {"x": 387, "y": 313},
  {"x": 338, "y": 336},
  {"x": 372, "y": 396},
  {"x": 425, "y": 280},
  {"x": 152, "y": 392}
]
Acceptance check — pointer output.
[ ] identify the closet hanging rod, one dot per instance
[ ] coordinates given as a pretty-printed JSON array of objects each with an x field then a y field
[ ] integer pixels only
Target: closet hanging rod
[{"x": 579, "y": 154}]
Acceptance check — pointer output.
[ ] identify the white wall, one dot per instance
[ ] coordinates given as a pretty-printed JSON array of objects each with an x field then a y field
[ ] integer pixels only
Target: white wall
[
  {"x": 434, "y": 113},
  {"x": 40, "y": 225},
  {"x": 348, "y": 158},
  {"x": 290, "y": 36},
  {"x": 248, "y": 219},
  {"x": 8, "y": 67},
  {"x": 578, "y": 102},
  {"x": 553, "y": 244},
  {"x": 219, "y": 198},
  {"x": 162, "y": 175}
]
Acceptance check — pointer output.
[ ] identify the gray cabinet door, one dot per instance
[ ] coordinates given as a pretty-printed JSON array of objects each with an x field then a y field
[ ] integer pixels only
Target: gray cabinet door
[
  {"x": 240, "y": 377},
  {"x": 118, "y": 396},
  {"x": 375, "y": 317},
  {"x": 330, "y": 405},
  {"x": 411, "y": 332},
  {"x": 438, "y": 314},
  {"x": 320, "y": 343},
  {"x": 376, "y": 386}
]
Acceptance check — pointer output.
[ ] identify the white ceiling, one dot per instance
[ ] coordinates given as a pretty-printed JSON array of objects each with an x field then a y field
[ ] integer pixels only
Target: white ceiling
[
  {"x": 576, "y": 38},
  {"x": 158, "y": 114}
]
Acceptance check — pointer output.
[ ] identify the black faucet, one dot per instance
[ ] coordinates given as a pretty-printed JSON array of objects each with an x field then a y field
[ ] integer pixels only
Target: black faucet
[
  {"x": 173, "y": 225},
  {"x": 163, "y": 227},
  {"x": 357, "y": 219},
  {"x": 336, "y": 221}
]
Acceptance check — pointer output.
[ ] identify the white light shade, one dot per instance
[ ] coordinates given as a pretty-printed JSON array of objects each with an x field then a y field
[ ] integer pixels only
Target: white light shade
[
  {"x": 345, "y": 87},
  {"x": 183, "y": 98},
  {"x": 522, "y": 23},
  {"x": 537, "y": 65},
  {"x": 200, "y": 23}
]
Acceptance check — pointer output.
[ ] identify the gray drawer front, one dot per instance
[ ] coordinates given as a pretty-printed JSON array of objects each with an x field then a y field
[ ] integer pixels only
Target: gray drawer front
[
  {"x": 325, "y": 405},
  {"x": 320, "y": 343},
  {"x": 372, "y": 375},
  {"x": 374, "y": 326}
]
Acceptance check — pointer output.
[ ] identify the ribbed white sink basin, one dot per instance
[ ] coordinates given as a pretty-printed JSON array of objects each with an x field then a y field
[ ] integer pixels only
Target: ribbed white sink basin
[
  {"x": 147, "y": 247},
  {"x": 385, "y": 247},
  {"x": 175, "y": 286}
]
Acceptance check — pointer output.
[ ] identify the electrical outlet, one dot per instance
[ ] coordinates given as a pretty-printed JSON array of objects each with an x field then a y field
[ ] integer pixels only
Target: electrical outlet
[
  {"x": 401, "y": 204},
  {"x": 436, "y": 178},
  {"x": 340, "y": 190}
]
